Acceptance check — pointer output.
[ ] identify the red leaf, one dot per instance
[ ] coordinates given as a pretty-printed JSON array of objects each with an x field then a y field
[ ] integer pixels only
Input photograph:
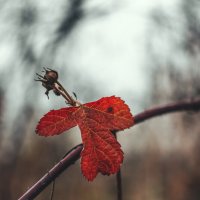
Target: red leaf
[
  {"x": 111, "y": 112},
  {"x": 56, "y": 122},
  {"x": 102, "y": 152}
]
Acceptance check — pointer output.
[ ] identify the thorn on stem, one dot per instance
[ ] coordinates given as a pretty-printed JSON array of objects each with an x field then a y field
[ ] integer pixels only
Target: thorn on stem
[{"x": 75, "y": 95}]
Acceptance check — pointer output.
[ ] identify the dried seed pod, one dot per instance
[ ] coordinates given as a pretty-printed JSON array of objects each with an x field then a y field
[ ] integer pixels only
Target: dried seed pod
[
  {"x": 48, "y": 80},
  {"x": 51, "y": 76}
]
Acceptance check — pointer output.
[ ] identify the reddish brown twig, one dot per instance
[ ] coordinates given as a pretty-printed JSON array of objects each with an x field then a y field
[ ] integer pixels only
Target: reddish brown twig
[
  {"x": 74, "y": 154},
  {"x": 186, "y": 105},
  {"x": 119, "y": 185}
]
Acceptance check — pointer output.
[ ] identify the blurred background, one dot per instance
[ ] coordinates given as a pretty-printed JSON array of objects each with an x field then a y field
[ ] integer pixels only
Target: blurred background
[{"x": 146, "y": 52}]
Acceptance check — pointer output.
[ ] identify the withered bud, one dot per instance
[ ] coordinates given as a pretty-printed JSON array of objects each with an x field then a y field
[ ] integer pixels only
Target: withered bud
[
  {"x": 51, "y": 76},
  {"x": 48, "y": 80}
]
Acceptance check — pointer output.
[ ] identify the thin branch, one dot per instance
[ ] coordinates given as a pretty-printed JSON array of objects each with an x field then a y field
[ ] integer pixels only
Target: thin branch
[
  {"x": 119, "y": 185},
  {"x": 118, "y": 176},
  {"x": 61, "y": 90},
  {"x": 52, "y": 189},
  {"x": 74, "y": 154},
  {"x": 186, "y": 105}
]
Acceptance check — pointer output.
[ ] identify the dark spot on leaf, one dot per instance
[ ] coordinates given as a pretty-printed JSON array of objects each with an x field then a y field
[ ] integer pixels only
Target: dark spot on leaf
[{"x": 110, "y": 109}]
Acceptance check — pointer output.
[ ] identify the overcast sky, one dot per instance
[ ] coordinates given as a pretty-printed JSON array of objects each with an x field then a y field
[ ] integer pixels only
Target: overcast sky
[{"x": 107, "y": 51}]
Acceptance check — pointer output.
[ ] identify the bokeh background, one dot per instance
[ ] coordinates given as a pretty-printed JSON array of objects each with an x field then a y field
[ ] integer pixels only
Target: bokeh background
[{"x": 146, "y": 52}]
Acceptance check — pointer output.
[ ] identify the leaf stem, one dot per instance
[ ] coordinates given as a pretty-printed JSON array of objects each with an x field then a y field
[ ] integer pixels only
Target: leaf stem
[{"x": 61, "y": 90}]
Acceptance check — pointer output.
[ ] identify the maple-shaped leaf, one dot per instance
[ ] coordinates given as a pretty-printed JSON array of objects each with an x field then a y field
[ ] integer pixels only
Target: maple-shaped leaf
[
  {"x": 101, "y": 153},
  {"x": 56, "y": 121}
]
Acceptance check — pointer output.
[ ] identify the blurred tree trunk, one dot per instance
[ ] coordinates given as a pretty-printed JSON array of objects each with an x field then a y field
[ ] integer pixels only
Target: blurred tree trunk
[{"x": 11, "y": 154}]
